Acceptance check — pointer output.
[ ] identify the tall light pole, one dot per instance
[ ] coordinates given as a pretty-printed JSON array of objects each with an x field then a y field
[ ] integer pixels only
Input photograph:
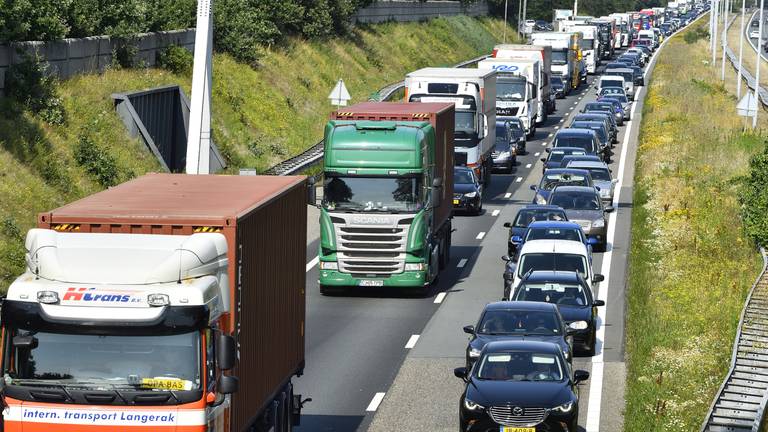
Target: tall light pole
[
  {"x": 711, "y": 25},
  {"x": 714, "y": 32},
  {"x": 724, "y": 39},
  {"x": 741, "y": 49},
  {"x": 199, "y": 134},
  {"x": 520, "y": 17},
  {"x": 506, "y": 5},
  {"x": 757, "y": 65}
]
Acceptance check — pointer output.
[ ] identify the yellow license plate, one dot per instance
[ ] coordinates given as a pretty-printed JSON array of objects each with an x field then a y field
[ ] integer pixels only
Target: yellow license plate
[
  {"x": 517, "y": 429},
  {"x": 456, "y": 202}
]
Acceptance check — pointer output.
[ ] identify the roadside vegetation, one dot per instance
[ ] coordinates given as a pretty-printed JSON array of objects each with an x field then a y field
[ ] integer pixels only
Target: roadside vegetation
[
  {"x": 692, "y": 261},
  {"x": 61, "y": 141}
]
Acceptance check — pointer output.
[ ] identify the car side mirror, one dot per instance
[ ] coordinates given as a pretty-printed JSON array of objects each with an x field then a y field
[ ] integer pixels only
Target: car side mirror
[
  {"x": 516, "y": 239},
  {"x": 598, "y": 278},
  {"x": 591, "y": 241},
  {"x": 597, "y": 188},
  {"x": 460, "y": 372},
  {"x": 227, "y": 384},
  {"x": 226, "y": 351},
  {"x": 598, "y": 303},
  {"x": 469, "y": 329},
  {"x": 543, "y": 160},
  {"x": 507, "y": 225},
  {"x": 580, "y": 376},
  {"x": 609, "y": 209},
  {"x": 505, "y": 258}
]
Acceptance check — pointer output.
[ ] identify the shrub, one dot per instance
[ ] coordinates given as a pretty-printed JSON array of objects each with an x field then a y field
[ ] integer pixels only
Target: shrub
[
  {"x": 30, "y": 84},
  {"x": 96, "y": 161},
  {"x": 693, "y": 35},
  {"x": 176, "y": 59},
  {"x": 754, "y": 198}
]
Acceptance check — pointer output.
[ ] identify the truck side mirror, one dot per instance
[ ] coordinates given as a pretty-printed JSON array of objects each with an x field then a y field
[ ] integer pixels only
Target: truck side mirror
[
  {"x": 226, "y": 352},
  {"x": 437, "y": 182},
  {"x": 483, "y": 126},
  {"x": 25, "y": 342},
  {"x": 227, "y": 384},
  {"x": 311, "y": 191}
]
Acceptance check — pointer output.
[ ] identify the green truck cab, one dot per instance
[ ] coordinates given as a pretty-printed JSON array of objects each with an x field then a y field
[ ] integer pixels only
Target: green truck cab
[{"x": 385, "y": 218}]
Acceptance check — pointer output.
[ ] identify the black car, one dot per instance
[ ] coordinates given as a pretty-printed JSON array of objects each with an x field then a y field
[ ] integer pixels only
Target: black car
[
  {"x": 603, "y": 107},
  {"x": 583, "y": 138},
  {"x": 525, "y": 216},
  {"x": 520, "y": 384},
  {"x": 604, "y": 117},
  {"x": 554, "y": 160},
  {"x": 572, "y": 295},
  {"x": 507, "y": 320},
  {"x": 557, "y": 86},
  {"x": 467, "y": 191}
]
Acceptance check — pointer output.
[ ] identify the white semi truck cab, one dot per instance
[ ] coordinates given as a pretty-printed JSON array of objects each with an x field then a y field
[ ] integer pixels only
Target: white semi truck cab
[{"x": 517, "y": 94}]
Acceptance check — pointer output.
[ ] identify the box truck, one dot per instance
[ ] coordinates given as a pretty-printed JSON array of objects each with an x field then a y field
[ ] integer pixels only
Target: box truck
[
  {"x": 543, "y": 54},
  {"x": 566, "y": 56},
  {"x": 589, "y": 42},
  {"x": 168, "y": 303},
  {"x": 385, "y": 218},
  {"x": 517, "y": 85},
  {"x": 473, "y": 91},
  {"x": 623, "y": 21}
]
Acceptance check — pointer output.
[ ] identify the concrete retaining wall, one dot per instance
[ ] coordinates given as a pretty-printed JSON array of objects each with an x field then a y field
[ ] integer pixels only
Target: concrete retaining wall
[
  {"x": 405, "y": 10},
  {"x": 70, "y": 57}
]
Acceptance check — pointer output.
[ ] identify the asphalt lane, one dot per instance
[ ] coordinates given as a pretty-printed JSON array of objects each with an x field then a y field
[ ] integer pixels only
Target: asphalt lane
[{"x": 356, "y": 343}]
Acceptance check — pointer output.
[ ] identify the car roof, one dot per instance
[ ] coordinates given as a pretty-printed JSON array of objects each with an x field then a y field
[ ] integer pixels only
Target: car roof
[
  {"x": 574, "y": 132},
  {"x": 553, "y": 275},
  {"x": 589, "y": 164},
  {"x": 553, "y": 224},
  {"x": 555, "y": 246},
  {"x": 521, "y": 345},
  {"x": 618, "y": 70},
  {"x": 521, "y": 305},
  {"x": 588, "y": 123},
  {"x": 611, "y": 77},
  {"x": 574, "y": 189},
  {"x": 542, "y": 207},
  {"x": 462, "y": 168},
  {"x": 566, "y": 171}
]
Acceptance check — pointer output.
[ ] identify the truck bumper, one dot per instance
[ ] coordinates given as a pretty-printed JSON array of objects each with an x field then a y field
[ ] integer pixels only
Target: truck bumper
[{"x": 399, "y": 280}]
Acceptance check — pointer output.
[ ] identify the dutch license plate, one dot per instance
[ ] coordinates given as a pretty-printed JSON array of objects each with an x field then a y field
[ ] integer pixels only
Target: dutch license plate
[
  {"x": 517, "y": 429},
  {"x": 371, "y": 283},
  {"x": 456, "y": 202}
]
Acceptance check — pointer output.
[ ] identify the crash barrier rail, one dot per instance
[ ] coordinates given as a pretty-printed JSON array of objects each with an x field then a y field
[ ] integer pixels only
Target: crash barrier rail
[
  {"x": 314, "y": 154},
  {"x": 740, "y": 402},
  {"x": 748, "y": 77}
]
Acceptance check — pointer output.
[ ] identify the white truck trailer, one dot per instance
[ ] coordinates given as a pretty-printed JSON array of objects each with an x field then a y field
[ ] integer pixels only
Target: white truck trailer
[{"x": 517, "y": 85}]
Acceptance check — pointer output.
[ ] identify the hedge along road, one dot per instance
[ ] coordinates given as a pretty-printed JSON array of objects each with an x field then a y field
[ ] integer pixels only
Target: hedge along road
[{"x": 425, "y": 394}]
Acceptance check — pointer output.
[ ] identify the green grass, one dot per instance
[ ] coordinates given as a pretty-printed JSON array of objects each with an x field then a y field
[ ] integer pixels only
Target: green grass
[
  {"x": 691, "y": 264},
  {"x": 261, "y": 115}
]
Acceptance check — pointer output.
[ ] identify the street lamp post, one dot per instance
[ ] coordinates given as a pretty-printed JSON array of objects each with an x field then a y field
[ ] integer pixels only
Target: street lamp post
[
  {"x": 757, "y": 64},
  {"x": 724, "y": 39},
  {"x": 741, "y": 49}
]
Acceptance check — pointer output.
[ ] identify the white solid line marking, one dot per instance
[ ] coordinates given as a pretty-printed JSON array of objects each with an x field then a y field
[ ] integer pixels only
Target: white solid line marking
[
  {"x": 313, "y": 263},
  {"x": 440, "y": 297},
  {"x": 570, "y": 108},
  {"x": 557, "y": 127},
  {"x": 537, "y": 153},
  {"x": 519, "y": 179},
  {"x": 528, "y": 166},
  {"x": 462, "y": 263},
  {"x": 412, "y": 342},
  {"x": 508, "y": 195},
  {"x": 495, "y": 212},
  {"x": 480, "y": 235},
  {"x": 375, "y": 402}
]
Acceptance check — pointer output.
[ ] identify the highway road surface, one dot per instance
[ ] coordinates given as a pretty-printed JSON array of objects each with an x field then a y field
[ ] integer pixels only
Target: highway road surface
[{"x": 383, "y": 361}]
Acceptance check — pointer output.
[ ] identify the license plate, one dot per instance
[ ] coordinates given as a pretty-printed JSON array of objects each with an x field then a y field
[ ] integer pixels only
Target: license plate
[
  {"x": 371, "y": 283},
  {"x": 456, "y": 202},
  {"x": 517, "y": 429}
]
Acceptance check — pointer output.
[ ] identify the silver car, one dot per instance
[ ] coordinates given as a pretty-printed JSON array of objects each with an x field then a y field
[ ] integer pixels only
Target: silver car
[
  {"x": 584, "y": 206},
  {"x": 601, "y": 177}
]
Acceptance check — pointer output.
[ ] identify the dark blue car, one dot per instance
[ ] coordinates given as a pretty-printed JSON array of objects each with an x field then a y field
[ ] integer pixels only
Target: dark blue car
[
  {"x": 556, "y": 155},
  {"x": 556, "y": 177},
  {"x": 555, "y": 230},
  {"x": 528, "y": 214}
]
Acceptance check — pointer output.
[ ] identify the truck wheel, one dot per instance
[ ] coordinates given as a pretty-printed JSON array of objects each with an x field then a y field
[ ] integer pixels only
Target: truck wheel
[
  {"x": 487, "y": 179},
  {"x": 330, "y": 291}
]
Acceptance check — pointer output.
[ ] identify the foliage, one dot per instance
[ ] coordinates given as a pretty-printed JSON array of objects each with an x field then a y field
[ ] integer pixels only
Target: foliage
[
  {"x": 176, "y": 59},
  {"x": 691, "y": 264},
  {"x": 30, "y": 84},
  {"x": 542, "y": 9},
  {"x": 695, "y": 34},
  {"x": 96, "y": 161},
  {"x": 754, "y": 198}
]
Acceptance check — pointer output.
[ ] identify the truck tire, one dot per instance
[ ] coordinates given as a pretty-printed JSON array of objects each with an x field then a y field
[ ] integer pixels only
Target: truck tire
[{"x": 487, "y": 172}]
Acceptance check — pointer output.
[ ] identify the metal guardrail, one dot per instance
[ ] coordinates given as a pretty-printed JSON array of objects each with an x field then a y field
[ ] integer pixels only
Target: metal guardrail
[
  {"x": 748, "y": 77},
  {"x": 314, "y": 154},
  {"x": 740, "y": 402}
]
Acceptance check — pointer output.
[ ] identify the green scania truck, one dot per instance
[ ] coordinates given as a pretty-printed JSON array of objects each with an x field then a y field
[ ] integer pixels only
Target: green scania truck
[{"x": 385, "y": 218}]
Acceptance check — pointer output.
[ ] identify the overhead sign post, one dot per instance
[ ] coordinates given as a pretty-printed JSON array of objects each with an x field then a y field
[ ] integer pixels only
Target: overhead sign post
[{"x": 339, "y": 95}]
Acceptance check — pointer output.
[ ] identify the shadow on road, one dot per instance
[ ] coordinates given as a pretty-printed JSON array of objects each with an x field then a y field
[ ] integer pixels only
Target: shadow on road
[{"x": 329, "y": 423}]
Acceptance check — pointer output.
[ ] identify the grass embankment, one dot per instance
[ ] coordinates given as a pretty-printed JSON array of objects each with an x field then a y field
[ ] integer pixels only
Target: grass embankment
[
  {"x": 691, "y": 264},
  {"x": 262, "y": 114}
]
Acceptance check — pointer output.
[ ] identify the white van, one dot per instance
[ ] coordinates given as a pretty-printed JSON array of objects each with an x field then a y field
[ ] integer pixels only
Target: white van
[
  {"x": 613, "y": 81},
  {"x": 629, "y": 80},
  {"x": 650, "y": 35},
  {"x": 562, "y": 255}
]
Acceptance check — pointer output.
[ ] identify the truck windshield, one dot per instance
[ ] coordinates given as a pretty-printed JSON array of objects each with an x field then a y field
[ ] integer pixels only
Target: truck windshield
[
  {"x": 162, "y": 362},
  {"x": 510, "y": 90},
  {"x": 465, "y": 123},
  {"x": 373, "y": 194},
  {"x": 559, "y": 57}
]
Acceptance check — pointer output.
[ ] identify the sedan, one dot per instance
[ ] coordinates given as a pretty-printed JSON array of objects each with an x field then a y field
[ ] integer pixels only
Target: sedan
[
  {"x": 525, "y": 216},
  {"x": 584, "y": 206},
  {"x": 507, "y": 320},
  {"x": 625, "y": 103},
  {"x": 520, "y": 385},
  {"x": 601, "y": 177},
  {"x": 606, "y": 108},
  {"x": 556, "y": 177},
  {"x": 467, "y": 191},
  {"x": 602, "y": 134}
]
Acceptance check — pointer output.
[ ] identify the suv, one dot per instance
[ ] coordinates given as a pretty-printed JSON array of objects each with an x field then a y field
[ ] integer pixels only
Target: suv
[
  {"x": 525, "y": 216},
  {"x": 584, "y": 206}
]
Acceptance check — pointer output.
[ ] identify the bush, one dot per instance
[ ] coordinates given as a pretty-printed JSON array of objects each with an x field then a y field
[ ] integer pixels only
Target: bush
[
  {"x": 30, "y": 84},
  {"x": 176, "y": 59},
  {"x": 754, "y": 198},
  {"x": 693, "y": 35},
  {"x": 96, "y": 161}
]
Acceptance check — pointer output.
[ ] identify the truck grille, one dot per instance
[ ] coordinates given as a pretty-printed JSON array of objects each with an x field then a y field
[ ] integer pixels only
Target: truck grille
[
  {"x": 509, "y": 415},
  {"x": 371, "y": 251},
  {"x": 507, "y": 111}
]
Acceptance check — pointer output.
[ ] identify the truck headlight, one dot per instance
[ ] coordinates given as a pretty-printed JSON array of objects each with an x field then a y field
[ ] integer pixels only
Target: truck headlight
[
  {"x": 564, "y": 408},
  {"x": 598, "y": 223},
  {"x": 414, "y": 266},
  {"x": 472, "y": 406},
  {"x": 578, "y": 325},
  {"x": 329, "y": 265},
  {"x": 474, "y": 353},
  {"x": 470, "y": 194}
]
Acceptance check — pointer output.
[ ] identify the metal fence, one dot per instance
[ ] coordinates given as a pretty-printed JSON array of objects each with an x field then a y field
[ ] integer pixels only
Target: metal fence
[{"x": 748, "y": 77}]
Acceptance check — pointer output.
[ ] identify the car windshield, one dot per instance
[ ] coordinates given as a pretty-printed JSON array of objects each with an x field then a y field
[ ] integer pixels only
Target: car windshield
[
  {"x": 573, "y": 200},
  {"x": 152, "y": 362},
  {"x": 463, "y": 176},
  {"x": 611, "y": 83},
  {"x": 520, "y": 366},
  {"x": 612, "y": 90},
  {"x": 558, "y": 155},
  {"x": 617, "y": 97},
  {"x": 548, "y": 261},
  {"x": 601, "y": 174},
  {"x": 525, "y": 217},
  {"x": 373, "y": 194},
  {"x": 510, "y": 90},
  {"x": 556, "y": 80},
  {"x": 568, "y": 294},
  {"x": 517, "y": 129},
  {"x": 519, "y": 322},
  {"x": 584, "y": 142},
  {"x": 559, "y": 57},
  {"x": 572, "y": 234},
  {"x": 549, "y": 181}
]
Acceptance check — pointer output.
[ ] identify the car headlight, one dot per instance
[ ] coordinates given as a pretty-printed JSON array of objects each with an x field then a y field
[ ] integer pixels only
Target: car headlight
[
  {"x": 504, "y": 154},
  {"x": 605, "y": 193},
  {"x": 470, "y": 194},
  {"x": 472, "y": 406},
  {"x": 414, "y": 266},
  {"x": 598, "y": 223},
  {"x": 474, "y": 352},
  {"x": 329, "y": 265},
  {"x": 578, "y": 325},
  {"x": 564, "y": 408}
]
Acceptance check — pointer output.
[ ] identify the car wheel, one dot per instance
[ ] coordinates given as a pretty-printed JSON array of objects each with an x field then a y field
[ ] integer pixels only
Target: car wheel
[
  {"x": 479, "y": 208},
  {"x": 511, "y": 165},
  {"x": 591, "y": 349},
  {"x": 573, "y": 425}
]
